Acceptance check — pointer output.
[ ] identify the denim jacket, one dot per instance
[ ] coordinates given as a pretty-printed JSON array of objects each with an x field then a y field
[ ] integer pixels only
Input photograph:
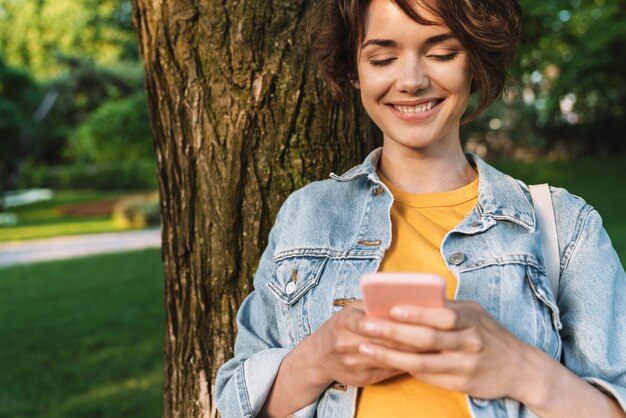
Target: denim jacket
[{"x": 331, "y": 232}]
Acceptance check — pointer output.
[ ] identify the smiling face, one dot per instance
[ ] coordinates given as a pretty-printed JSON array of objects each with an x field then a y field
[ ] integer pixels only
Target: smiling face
[{"x": 414, "y": 79}]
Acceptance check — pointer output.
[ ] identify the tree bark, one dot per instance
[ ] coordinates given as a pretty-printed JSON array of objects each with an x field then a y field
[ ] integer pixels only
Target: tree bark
[{"x": 240, "y": 119}]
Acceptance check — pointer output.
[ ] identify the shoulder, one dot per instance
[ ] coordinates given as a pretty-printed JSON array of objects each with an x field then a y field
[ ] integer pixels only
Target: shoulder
[
  {"x": 565, "y": 201},
  {"x": 323, "y": 215},
  {"x": 575, "y": 219},
  {"x": 503, "y": 186},
  {"x": 565, "y": 204},
  {"x": 347, "y": 188}
]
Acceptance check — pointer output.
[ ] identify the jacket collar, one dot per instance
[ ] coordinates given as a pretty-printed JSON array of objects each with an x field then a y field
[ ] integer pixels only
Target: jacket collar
[
  {"x": 500, "y": 196},
  {"x": 366, "y": 168}
]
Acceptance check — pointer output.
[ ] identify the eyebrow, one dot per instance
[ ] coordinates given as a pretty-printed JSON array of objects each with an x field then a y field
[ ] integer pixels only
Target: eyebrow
[{"x": 390, "y": 43}]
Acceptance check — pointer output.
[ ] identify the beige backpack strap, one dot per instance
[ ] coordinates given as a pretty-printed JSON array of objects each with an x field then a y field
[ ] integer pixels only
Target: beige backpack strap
[{"x": 544, "y": 214}]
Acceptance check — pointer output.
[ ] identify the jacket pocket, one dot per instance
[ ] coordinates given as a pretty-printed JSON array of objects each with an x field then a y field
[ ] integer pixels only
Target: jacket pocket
[
  {"x": 515, "y": 290},
  {"x": 538, "y": 283},
  {"x": 292, "y": 282}
]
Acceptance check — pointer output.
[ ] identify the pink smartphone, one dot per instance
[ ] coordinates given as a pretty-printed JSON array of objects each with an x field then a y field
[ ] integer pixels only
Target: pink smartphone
[{"x": 383, "y": 291}]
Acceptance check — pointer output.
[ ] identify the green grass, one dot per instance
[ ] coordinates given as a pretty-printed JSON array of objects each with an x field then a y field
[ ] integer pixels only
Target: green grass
[
  {"x": 82, "y": 338},
  {"x": 60, "y": 228},
  {"x": 597, "y": 180},
  {"x": 43, "y": 220}
]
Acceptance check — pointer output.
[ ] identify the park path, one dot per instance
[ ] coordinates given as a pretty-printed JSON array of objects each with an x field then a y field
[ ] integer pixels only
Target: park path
[{"x": 31, "y": 251}]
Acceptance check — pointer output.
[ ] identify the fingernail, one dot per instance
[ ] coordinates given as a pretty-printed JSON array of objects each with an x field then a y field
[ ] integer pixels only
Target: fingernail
[
  {"x": 372, "y": 327},
  {"x": 366, "y": 349},
  {"x": 400, "y": 313}
]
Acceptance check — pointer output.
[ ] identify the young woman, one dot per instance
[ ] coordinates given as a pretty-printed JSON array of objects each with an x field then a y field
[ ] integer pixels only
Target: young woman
[{"x": 507, "y": 346}]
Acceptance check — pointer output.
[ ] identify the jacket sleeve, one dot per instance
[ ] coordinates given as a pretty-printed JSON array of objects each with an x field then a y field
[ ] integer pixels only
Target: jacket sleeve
[
  {"x": 243, "y": 383},
  {"x": 592, "y": 303}
]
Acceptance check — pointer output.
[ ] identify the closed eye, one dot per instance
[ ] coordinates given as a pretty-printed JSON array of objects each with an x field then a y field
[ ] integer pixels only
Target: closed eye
[
  {"x": 378, "y": 63},
  {"x": 446, "y": 57}
]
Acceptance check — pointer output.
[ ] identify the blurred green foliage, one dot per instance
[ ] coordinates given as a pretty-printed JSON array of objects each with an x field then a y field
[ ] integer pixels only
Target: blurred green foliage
[
  {"x": 99, "y": 116},
  {"x": 83, "y": 56},
  {"x": 115, "y": 131},
  {"x": 80, "y": 91},
  {"x": 568, "y": 94},
  {"x": 125, "y": 174},
  {"x": 19, "y": 96},
  {"x": 34, "y": 34},
  {"x": 578, "y": 52}
]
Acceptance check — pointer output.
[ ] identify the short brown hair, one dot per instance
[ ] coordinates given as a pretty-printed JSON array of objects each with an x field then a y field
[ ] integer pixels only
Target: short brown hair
[{"x": 488, "y": 29}]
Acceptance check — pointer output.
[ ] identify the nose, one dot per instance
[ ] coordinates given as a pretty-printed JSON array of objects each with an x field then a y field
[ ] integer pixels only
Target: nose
[{"x": 412, "y": 77}]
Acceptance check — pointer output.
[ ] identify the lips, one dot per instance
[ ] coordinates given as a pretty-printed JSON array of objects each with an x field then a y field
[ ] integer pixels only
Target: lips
[
  {"x": 416, "y": 108},
  {"x": 415, "y": 111}
]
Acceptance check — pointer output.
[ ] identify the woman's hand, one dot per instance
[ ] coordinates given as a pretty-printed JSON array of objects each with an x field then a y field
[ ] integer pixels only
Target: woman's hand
[
  {"x": 329, "y": 354},
  {"x": 335, "y": 346},
  {"x": 463, "y": 348},
  {"x": 460, "y": 347}
]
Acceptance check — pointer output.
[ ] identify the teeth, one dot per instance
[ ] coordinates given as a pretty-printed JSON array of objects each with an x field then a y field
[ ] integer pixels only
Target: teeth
[{"x": 416, "y": 109}]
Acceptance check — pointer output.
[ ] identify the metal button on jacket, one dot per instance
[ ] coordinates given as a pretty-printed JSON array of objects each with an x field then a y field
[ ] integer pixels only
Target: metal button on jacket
[
  {"x": 290, "y": 288},
  {"x": 456, "y": 258}
]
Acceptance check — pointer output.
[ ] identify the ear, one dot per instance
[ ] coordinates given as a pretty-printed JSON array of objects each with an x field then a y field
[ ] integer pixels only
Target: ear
[{"x": 355, "y": 83}]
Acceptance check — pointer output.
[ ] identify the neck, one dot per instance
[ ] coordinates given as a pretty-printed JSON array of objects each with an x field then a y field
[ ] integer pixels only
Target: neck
[{"x": 425, "y": 172}]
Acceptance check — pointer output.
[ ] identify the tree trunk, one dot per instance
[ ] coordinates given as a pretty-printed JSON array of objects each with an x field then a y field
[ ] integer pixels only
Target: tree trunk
[{"x": 240, "y": 119}]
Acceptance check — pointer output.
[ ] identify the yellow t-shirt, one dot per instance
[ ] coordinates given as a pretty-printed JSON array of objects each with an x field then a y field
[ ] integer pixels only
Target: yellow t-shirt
[{"x": 419, "y": 223}]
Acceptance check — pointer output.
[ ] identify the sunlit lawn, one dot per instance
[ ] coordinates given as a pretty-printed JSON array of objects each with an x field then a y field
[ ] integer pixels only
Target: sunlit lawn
[
  {"x": 82, "y": 338},
  {"x": 44, "y": 220}
]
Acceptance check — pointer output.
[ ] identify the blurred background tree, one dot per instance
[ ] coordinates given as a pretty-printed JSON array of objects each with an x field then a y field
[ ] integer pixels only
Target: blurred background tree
[
  {"x": 35, "y": 33},
  {"x": 571, "y": 66},
  {"x": 568, "y": 98},
  {"x": 19, "y": 95},
  {"x": 90, "y": 109},
  {"x": 81, "y": 90},
  {"x": 115, "y": 131}
]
